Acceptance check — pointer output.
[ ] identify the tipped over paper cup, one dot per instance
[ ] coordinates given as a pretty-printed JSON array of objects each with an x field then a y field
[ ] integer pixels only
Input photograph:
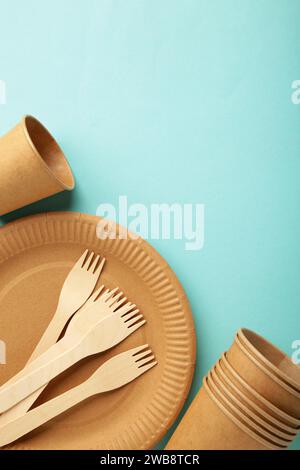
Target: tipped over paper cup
[{"x": 32, "y": 166}]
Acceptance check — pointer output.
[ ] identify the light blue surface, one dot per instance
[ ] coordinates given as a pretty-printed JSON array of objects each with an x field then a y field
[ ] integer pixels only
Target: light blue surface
[{"x": 178, "y": 101}]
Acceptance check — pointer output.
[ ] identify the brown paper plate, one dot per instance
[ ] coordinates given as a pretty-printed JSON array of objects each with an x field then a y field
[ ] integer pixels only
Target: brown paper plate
[{"x": 36, "y": 254}]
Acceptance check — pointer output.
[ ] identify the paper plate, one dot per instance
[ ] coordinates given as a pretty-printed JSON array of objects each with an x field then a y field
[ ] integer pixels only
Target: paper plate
[{"x": 36, "y": 254}]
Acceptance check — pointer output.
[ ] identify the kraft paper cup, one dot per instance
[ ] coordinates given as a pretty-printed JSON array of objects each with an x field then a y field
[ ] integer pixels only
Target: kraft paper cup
[
  {"x": 255, "y": 397},
  {"x": 239, "y": 421},
  {"x": 271, "y": 357},
  {"x": 258, "y": 430},
  {"x": 250, "y": 404},
  {"x": 266, "y": 370},
  {"x": 208, "y": 425},
  {"x": 264, "y": 427},
  {"x": 32, "y": 166},
  {"x": 239, "y": 441},
  {"x": 265, "y": 383}
]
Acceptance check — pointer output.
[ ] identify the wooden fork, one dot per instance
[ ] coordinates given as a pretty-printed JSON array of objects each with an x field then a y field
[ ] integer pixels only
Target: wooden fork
[
  {"x": 98, "y": 306},
  {"x": 77, "y": 288},
  {"x": 88, "y": 335},
  {"x": 114, "y": 373}
]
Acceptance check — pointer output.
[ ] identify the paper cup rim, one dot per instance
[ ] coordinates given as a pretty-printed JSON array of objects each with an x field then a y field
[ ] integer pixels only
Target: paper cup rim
[
  {"x": 258, "y": 421},
  {"x": 266, "y": 371},
  {"x": 276, "y": 422},
  {"x": 254, "y": 427},
  {"x": 64, "y": 184},
  {"x": 244, "y": 336},
  {"x": 239, "y": 424},
  {"x": 258, "y": 396}
]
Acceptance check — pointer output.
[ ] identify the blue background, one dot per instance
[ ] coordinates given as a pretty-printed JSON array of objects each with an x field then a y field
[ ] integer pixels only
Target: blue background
[{"x": 183, "y": 101}]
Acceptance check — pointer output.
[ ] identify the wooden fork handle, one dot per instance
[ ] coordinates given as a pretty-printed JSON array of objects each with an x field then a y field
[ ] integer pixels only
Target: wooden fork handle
[
  {"x": 49, "y": 338},
  {"x": 56, "y": 360},
  {"x": 51, "y": 334},
  {"x": 42, "y": 414}
]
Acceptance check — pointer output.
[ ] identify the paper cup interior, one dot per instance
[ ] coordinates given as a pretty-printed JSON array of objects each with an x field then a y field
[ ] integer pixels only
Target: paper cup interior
[
  {"x": 46, "y": 148},
  {"x": 273, "y": 354}
]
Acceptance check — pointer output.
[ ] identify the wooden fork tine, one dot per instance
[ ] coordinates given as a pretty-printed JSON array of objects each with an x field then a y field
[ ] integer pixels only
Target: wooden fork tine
[
  {"x": 130, "y": 353},
  {"x": 130, "y": 314},
  {"x": 108, "y": 294},
  {"x": 92, "y": 267},
  {"x": 81, "y": 261},
  {"x": 95, "y": 295},
  {"x": 145, "y": 361},
  {"x": 100, "y": 267},
  {"x": 120, "y": 302},
  {"x": 118, "y": 295},
  {"x": 135, "y": 351},
  {"x": 132, "y": 326},
  {"x": 143, "y": 369},
  {"x": 133, "y": 320},
  {"x": 110, "y": 302},
  {"x": 126, "y": 309},
  {"x": 142, "y": 354},
  {"x": 88, "y": 261}
]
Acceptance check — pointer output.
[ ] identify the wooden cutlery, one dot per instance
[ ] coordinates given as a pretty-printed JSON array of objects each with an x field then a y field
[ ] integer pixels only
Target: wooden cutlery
[
  {"x": 99, "y": 306},
  {"x": 97, "y": 322},
  {"x": 115, "y": 373},
  {"x": 77, "y": 288},
  {"x": 88, "y": 333}
]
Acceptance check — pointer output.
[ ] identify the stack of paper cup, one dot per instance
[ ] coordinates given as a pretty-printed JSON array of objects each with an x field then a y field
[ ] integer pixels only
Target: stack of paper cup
[{"x": 250, "y": 400}]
